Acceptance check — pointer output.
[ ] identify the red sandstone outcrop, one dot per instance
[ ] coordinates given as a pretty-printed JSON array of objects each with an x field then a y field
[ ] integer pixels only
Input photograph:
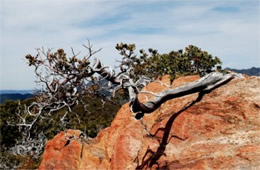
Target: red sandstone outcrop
[{"x": 222, "y": 131}]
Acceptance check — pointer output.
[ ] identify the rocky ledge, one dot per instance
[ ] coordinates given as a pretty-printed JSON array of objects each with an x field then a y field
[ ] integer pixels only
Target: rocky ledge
[{"x": 222, "y": 131}]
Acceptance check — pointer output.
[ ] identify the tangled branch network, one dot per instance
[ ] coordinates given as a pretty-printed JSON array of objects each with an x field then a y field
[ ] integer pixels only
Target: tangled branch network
[{"x": 66, "y": 80}]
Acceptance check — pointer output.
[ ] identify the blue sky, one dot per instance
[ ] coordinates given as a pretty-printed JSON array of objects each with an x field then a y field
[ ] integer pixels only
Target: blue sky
[{"x": 228, "y": 29}]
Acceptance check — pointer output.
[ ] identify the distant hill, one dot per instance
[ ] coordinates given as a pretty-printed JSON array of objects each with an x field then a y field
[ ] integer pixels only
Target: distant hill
[
  {"x": 14, "y": 96},
  {"x": 16, "y": 91},
  {"x": 254, "y": 71}
]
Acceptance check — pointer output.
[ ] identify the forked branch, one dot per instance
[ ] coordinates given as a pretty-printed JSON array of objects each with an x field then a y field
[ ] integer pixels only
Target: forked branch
[{"x": 66, "y": 80}]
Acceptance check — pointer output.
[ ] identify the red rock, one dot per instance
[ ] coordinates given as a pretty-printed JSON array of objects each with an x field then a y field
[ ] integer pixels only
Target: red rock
[
  {"x": 58, "y": 155},
  {"x": 222, "y": 131}
]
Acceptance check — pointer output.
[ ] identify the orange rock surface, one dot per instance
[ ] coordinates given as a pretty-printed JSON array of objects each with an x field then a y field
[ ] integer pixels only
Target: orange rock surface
[{"x": 222, "y": 131}]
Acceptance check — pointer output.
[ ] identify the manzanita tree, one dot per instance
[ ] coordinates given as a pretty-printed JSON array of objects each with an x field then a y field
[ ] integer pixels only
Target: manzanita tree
[{"x": 66, "y": 79}]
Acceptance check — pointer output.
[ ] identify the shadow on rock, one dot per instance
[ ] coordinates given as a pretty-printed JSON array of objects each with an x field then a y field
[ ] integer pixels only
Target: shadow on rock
[{"x": 150, "y": 158}]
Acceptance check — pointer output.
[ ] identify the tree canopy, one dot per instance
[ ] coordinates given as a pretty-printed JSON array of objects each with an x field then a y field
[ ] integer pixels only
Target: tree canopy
[
  {"x": 191, "y": 60},
  {"x": 65, "y": 79},
  {"x": 73, "y": 90}
]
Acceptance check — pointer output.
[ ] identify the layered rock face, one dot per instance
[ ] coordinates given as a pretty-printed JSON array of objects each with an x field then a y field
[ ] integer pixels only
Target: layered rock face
[{"x": 222, "y": 131}]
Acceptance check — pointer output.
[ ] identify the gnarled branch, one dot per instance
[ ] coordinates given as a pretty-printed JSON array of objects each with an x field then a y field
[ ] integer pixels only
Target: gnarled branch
[{"x": 203, "y": 85}]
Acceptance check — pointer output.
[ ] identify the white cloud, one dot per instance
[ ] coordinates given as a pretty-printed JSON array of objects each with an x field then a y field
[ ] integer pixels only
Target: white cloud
[{"x": 224, "y": 28}]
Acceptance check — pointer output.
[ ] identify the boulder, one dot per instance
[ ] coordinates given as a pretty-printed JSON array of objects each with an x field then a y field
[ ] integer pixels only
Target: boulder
[{"x": 222, "y": 131}]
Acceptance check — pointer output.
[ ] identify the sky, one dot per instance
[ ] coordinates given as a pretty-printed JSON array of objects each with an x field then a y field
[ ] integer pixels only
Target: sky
[{"x": 228, "y": 29}]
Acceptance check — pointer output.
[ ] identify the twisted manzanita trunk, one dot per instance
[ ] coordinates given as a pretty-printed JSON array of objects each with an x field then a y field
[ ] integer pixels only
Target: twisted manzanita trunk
[
  {"x": 204, "y": 85},
  {"x": 67, "y": 78}
]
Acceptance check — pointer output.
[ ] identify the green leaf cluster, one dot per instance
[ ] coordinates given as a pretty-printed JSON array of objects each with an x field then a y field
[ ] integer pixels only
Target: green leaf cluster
[
  {"x": 59, "y": 61},
  {"x": 177, "y": 63},
  {"x": 191, "y": 60}
]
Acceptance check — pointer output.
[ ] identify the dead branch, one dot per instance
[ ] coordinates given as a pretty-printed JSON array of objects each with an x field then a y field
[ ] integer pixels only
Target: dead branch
[
  {"x": 66, "y": 80},
  {"x": 204, "y": 85}
]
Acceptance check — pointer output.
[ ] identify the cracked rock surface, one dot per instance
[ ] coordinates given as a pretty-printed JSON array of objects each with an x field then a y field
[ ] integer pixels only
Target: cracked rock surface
[{"x": 222, "y": 131}]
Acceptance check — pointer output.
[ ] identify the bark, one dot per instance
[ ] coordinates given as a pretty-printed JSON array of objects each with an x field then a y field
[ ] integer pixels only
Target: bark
[
  {"x": 204, "y": 85},
  {"x": 65, "y": 93}
]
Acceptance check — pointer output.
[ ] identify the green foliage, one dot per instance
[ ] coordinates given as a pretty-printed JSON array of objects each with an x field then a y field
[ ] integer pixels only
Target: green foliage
[
  {"x": 97, "y": 114},
  {"x": 9, "y": 134},
  {"x": 201, "y": 61},
  {"x": 89, "y": 120},
  {"x": 175, "y": 63},
  {"x": 59, "y": 61}
]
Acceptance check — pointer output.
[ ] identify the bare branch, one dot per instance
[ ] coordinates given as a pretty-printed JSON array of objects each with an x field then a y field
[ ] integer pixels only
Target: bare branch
[
  {"x": 204, "y": 85},
  {"x": 66, "y": 80}
]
